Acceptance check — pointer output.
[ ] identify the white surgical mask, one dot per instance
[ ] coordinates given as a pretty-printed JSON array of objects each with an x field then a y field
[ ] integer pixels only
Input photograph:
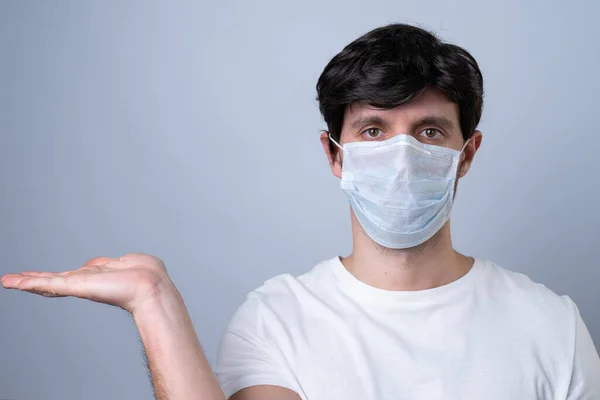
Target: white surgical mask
[{"x": 400, "y": 189}]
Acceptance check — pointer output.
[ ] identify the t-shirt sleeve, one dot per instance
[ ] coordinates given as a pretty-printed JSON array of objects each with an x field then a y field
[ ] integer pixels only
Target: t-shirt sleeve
[
  {"x": 247, "y": 356},
  {"x": 585, "y": 379}
]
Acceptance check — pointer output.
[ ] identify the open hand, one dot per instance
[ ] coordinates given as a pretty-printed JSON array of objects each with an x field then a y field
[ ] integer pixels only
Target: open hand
[{"x": 124, "y": 282}]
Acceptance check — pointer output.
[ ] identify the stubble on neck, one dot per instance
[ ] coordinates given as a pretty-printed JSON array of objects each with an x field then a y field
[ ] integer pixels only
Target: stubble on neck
[{"x": 430, "y": 264}]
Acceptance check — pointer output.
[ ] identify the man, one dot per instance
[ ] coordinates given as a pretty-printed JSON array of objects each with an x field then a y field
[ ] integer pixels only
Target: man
[{"x": 404, "y": 316}]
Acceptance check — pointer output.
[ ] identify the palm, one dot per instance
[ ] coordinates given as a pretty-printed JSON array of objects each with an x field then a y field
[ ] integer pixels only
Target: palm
[{"x": 122, "y": 282}]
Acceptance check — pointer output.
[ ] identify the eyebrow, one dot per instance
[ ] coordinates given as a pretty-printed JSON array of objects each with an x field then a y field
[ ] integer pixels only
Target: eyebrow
[
  {"x": 442, "y": 122},
  {"x": 368, "y": 120}
]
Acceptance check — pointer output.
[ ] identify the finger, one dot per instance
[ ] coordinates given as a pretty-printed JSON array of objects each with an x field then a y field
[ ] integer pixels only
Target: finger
[
  {"x": 86, "y": 268},
  {"x": 90, "y": 268},
  {"x": 11, "y": 281},
  {"x": 46, "y": 286},
  {"x": 40, "y": 274},
  {"x": 100, "y": 261},
  {"x": 45, "y": 294},
  {"x": 7, "y": 277}
]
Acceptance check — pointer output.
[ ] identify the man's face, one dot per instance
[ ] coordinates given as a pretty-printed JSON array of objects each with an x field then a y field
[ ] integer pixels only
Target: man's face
[{"x": 430, "y": 118}]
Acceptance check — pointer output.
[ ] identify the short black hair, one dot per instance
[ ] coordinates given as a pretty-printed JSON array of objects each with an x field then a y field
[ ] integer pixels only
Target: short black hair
[{"x": 391, "y": 65}]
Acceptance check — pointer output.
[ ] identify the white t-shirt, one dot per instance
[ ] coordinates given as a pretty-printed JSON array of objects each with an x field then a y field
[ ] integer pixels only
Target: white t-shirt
[{"x": 492, "y": 334}]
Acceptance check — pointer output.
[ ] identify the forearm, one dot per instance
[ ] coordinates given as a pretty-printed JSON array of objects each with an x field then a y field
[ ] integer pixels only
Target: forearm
[{"x": 179, "y": 368}]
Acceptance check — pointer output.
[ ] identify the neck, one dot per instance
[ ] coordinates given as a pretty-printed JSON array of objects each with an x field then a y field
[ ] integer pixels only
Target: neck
[{"x": 429, "y": 265}]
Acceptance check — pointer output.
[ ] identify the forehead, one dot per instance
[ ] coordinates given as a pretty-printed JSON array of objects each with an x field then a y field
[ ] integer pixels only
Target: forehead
[{"x": 430, "y": 103}]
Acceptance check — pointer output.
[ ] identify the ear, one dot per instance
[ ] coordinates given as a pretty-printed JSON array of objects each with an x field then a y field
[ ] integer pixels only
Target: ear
[
  {"x": 334, "y": 156},
  {"x": 469, "y": 153}
]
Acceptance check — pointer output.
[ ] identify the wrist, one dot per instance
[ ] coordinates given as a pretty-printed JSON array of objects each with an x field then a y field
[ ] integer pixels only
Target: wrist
[
  {"x": 163, "y": 297},
  {"x": 174, "y": 354}
]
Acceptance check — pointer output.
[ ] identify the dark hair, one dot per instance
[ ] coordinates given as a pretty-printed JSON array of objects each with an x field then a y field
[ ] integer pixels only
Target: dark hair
[{"x": 392, "y": 65}]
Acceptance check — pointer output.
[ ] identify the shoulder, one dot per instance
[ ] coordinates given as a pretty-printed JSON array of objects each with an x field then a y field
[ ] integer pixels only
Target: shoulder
[
  {"x": 287, "y": 287},
  {"x": 551, "y": 325},
  {"x": 502, "y": 280},
  {"x": 285, "y": 295},
  {"x": 533, "y": 304},
  {"x": 258, "y": 345}
]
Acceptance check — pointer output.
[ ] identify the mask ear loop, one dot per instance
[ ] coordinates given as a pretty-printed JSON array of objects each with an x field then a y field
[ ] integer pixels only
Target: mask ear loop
[
  {"x": 458, "y": 165},
  {"x": 465, "y": 145},
  {"x": 334, "y": 142}
]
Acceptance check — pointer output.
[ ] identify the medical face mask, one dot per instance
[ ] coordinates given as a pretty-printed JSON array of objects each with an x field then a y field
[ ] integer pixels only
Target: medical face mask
[{"x": 400, "y": 189}]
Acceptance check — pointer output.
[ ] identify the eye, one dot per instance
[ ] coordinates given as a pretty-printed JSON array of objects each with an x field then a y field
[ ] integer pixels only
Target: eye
[
  {"x": 372, "y": 133},
  {"x": 430, "y": 133}
]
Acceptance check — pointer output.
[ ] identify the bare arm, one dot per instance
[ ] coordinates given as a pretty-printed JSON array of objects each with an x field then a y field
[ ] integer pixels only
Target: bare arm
[
  {"x": 177, "y": 364},
  {"x": 175, "y": 357},
  {"x": 139, "y": 284},
  {"x": 265, "y": 392}
]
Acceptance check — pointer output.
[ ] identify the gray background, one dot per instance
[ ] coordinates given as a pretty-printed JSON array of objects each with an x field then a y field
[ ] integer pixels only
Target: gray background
[{"x": 189, "y": 130}]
